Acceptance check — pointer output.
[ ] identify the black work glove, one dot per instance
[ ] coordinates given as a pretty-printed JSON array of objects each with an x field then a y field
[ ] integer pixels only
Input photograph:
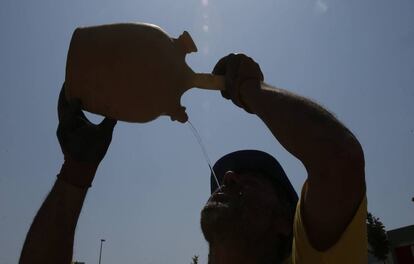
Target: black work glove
[
  {"x": 83, "y": 143},
  {"x": 238, "y": 69}
]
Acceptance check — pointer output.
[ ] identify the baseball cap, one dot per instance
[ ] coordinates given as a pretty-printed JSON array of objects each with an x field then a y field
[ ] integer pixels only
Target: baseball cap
[{"x": 254, "y": 160}]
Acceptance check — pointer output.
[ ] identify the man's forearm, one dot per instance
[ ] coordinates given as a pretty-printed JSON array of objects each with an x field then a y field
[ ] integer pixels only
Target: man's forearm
[
  {"x": 304, "y": 128},
  {"x": 51, "y": 235}
]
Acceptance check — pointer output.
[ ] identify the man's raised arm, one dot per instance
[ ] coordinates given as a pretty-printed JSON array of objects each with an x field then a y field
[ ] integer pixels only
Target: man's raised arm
[
  {"x": 51, "y": 235},
  {"x": 330, "y": 153}
]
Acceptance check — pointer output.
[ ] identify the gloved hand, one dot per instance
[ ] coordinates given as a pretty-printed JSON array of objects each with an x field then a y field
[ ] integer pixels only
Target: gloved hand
[
  {"x": 241, "y": 73},
  {"x": 83, "y": 143}
]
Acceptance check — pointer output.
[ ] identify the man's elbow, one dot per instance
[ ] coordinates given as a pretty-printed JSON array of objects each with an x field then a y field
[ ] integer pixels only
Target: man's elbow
[
  {"x": 349, "y": 154},
  {"x": 355, "y": 151}
]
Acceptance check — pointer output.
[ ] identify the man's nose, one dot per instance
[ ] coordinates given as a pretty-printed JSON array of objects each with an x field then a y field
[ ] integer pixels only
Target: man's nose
[{"x": 231, "y": 178}]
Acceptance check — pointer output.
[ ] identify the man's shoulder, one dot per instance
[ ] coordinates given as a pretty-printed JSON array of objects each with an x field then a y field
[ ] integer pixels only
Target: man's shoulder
[{"x": 353, "y": 239}]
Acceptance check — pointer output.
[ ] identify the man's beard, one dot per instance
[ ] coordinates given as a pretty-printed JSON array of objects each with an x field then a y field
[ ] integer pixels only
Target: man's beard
[{"x": 223, "y": 220}]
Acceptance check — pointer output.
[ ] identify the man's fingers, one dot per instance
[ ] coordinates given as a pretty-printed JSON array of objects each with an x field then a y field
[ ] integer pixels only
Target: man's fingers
[
  {"x": 237, "y": 68},
  {"x": 227, "y": 66},
  {"x": 222, "y": 66},
  {"x": 62, "y": 103},
  {"x": 225, "y": 94},
  {"x": 231, "y": 64},
  {"x": 75, "y": 109},
  {"x": 230, "y": 67},
  {"x": 69, "y": 109},
  {"x": 249, "y": 69},
  {"x": 107, "y": 124}
]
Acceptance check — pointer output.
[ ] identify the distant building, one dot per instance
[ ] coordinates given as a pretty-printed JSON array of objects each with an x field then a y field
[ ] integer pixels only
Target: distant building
[{"x": 402, "y": 244}]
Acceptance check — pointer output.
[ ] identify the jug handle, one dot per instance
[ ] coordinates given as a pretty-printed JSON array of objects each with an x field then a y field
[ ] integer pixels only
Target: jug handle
[{"x": 208, "y": 81}]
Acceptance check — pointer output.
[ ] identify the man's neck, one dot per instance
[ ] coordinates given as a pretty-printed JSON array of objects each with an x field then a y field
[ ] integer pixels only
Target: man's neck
[
  {"x": 232, "y": 252},
  {"x": 241, "y": 252}
]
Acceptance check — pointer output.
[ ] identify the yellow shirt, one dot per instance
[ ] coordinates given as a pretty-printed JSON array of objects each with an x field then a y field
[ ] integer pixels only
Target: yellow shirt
[{"x": 352, "y": 246}]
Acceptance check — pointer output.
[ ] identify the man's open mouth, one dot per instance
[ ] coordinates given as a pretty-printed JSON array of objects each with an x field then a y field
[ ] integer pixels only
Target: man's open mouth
[
  {"x": 222, "y": 199},
  {"x": 219, "y": 197}
]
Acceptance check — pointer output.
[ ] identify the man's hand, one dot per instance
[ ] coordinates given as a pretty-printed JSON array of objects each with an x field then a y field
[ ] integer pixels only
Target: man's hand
[
  {"x": 80, "y": 139},
  {"x": 83, "y": 143},
  {"x": 242, "y": 74}
]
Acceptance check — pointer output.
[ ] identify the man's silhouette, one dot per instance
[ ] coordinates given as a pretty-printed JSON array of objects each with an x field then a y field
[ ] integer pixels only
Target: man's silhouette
[{"x": 255, "y": 215}]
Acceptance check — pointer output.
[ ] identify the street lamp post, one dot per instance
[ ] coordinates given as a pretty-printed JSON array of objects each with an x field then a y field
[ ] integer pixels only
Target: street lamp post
[{"x": 100, "y": 250}]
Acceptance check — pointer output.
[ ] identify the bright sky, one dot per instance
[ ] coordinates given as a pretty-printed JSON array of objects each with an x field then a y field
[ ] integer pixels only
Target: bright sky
[{"x": 356, "y": 58}]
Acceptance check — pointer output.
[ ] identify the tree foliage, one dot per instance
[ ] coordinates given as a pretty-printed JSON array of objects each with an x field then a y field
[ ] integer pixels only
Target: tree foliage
[
  {"x": 377, "y": 237},
  {"x": 195, "y": 260}
]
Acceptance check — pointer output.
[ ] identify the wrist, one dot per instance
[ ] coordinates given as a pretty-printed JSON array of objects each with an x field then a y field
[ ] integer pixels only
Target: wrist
[
  {"x": 76, "y": 173},
  {"x": 249, "y": 96}
]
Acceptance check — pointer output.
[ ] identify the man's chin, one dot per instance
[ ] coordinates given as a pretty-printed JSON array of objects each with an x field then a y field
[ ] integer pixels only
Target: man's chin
[
  {"x": 217, "y": 219},
  {"x": 215, "y": 212}
]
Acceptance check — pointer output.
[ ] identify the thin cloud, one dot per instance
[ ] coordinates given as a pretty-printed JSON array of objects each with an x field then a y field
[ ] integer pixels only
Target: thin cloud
[{"x": 321, "y": 7}]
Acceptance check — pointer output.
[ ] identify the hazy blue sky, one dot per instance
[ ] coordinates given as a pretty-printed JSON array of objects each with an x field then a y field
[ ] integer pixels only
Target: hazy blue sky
[{"x": 356, "y": 58}]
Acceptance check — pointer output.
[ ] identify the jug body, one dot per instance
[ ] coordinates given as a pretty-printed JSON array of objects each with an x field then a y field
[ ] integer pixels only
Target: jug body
[{"x": 129, "y": 72}]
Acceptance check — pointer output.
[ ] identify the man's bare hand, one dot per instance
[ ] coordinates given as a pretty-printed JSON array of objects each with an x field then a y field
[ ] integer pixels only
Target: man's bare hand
[{"x": 241, "y": 73}]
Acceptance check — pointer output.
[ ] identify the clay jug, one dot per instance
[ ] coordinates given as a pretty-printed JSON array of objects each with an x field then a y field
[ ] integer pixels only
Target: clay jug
[{"x": 132, "y": 72}]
